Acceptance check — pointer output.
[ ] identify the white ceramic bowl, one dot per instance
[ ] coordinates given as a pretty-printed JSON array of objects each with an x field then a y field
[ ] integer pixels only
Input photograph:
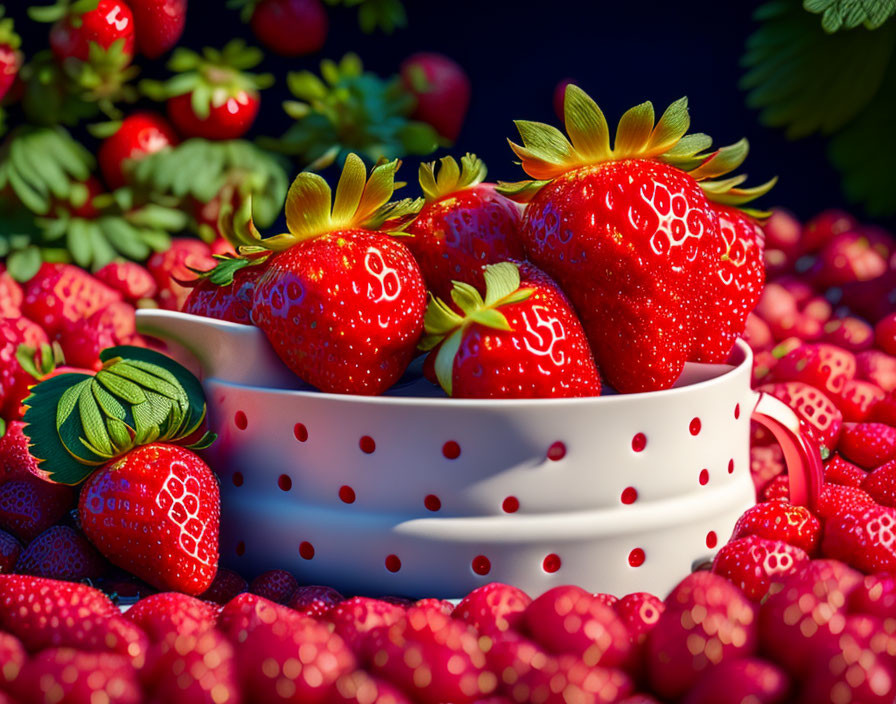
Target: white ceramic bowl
[{"x": 415, "y": 494}]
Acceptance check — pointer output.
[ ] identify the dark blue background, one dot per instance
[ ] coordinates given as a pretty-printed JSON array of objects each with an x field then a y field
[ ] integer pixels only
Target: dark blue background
[{"x": 620, "y": 52}]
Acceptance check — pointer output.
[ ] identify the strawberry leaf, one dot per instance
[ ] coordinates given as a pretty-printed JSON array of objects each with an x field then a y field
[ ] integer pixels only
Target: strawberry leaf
[{"x": 849, "y": 14}]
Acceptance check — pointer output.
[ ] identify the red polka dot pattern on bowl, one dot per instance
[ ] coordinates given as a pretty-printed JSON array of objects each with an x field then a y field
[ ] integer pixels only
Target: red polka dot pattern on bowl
[
  {"x": 432, "y": 502},
  {"x": 639, "y": 442},
  {"x": 367, "y": 445},
  {"x": 551, "y": 563},
  {"x": 306, "y": 550},
  {"x": 393, "y": 564},
  {"x": 695, "y": 426},
  {"x": 451, "y": 450},
  {"x": 636, "y": 557},
  {"x": 481, "y": 565},
  {"x": 301, "y": 432},
  {"x": 240, "y": 420},
  {"x": 557, "y": 451},
  {"x": 346, "y": 494}
]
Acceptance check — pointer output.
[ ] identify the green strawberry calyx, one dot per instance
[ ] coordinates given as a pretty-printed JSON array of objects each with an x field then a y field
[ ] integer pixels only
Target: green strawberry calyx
[
  {"x": 212, "y": 78},
  {"x": 39, "y": 362},
  {"x": 546, "y": 153},
  {"x": 8, "y": 36},
  {"x": 445, "y": 328},
  {"x": 449, "y": 178},
  {"x": 79, "y": 422},
  {"x": 63, "y": 8}
]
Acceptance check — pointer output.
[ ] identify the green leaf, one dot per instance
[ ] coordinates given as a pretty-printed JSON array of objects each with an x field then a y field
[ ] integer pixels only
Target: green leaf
[
  {"x": 808, "y": 81},
  {"x": 849, "y": 14},
  {"x": 23, "y": 264}
]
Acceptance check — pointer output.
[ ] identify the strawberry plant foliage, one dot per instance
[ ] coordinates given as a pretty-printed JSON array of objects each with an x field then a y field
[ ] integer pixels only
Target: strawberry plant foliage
[
  {"x": 849, "y": 14},
  {"x": 386, "y": 15},
  {"x": 78, "y": 422}
]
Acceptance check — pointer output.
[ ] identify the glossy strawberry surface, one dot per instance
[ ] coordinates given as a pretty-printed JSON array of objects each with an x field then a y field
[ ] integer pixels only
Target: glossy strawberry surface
[
  {"x": 344, "y": 310},
  {"x": 109, "y": 22},
  {"x": 140, "y": 134},
  {"x": 231, "y": 302},
  {"x": 155, "y": 512},
  {"x": 290, "y": 27},
  {"x": 455, "y": 235},
  {"x": 624, "y": 240},
  {"x": 231, "y": 120},
  {"x": 441, "y": 88},
  {"x": 159, "y": 24}
]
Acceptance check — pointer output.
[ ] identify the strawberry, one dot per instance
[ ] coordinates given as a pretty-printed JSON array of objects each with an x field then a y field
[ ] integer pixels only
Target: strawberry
[
  {"x": 838, "y": 471},
  {"x": 83, "y": 341},
  {"x": 777, "y": 488},
  {"x": 45, "y": 613},
  {"x": 780, "y": 520},
  {"x": 736, "y": 284},
  {"x": 875, "y": 596},
  {"x": 213, "y": 96},
  {"x": 782, "y": 231},
  {"x": 289, "y": 27},
  {"x": 606, "y": 599},
  {"x": 10, "y": 295},
  {"x": 640, "y": 612},
  {"x": 825, "y": 367},
  {"x": 880, "y": 484},
  {"x": 226, "y": 586},
  {"x": 863, "y": 538},
  {"x": 14, "y": 380},
  {"x": 131, "y": 280},
  {"x": 194, "y": 668},
  {"x": 341, "y": 303},
  {"x": 10, "y": 549},
  {"x": 818, "y": 309},
  {"x": 766, "y": 463},
  {"x": 359, "y": 687},
  {"x": 849, "y": 256},
  {"x": 314, "y": 600},
  {"x": 824, "y": 227},
  {"x": 140, "y": 134},
  {"x": 877, "y": 367},
  {"x": 110, "y": 23},
  {"x": 433, "y": 658},
  {"x": 60, "y": 295},
  {"x": 747, "y": 680},
  {"x": 353, "y": 619},
  {"x": 492, "y": 608},
  {"x": 629, "y": 236},
  {"x": 155, "y": 513},
  {"x": 172, "y": 614},
  {"x": 884, "y": 411},
  {"x": 567, "y": 678},
  {"x": 276, "y": 585},
  {"x": 62, "y": 553},
  {"x": 835, "y": 499},
  {"x": 231, "y": 301},
  {"x": 801, "y": 291},
  {"x": 176, "y": 264},
  {"x": 800, "y": 326},
  {"x": 752, "y": 563},
  {"x": 158, "y": 25},
  {"x": 522, "y": 341},
  {"x": 68, "y": 675},
  {"x": 885, "y": 334},
  {"x": 776, "y": 303},
  {"x": 707, "y": 621},
  {"x": 871, "y": 299},
  {"x": 857, "y": 400},
  {"x": 29, "y": 506},
  {"x": 442, "y": 91},
  {"x": 850, "y": 333},
  {"x": 764, "y": 363},
  {"x": 819, "y": 414},
  {"x": 10, "y": 56},
  {"x": 463, "y": 225},
  {"x": 512, "y": 657},
  {"x": 595, "y": 632},
  {"x": 868, "y": 445},
  {"x": 13, "y": 656},
  {"x": 757, "y": 333}
]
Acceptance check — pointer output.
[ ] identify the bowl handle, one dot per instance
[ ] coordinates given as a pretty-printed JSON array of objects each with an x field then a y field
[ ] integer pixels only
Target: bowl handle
[{"x": 801, "y": 454}]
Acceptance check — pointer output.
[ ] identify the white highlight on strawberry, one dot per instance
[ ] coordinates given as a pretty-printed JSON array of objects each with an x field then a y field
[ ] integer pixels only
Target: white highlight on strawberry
[
  {"x": 389, "y": 283},
  {"x": 547, "y": 331},
  {"x": 120, "y": 23},
  {"x": 180, "y": 495}
]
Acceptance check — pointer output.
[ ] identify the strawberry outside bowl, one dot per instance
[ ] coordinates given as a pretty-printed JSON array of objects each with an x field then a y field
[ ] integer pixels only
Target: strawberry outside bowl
[{"x": 412, "y": 493}]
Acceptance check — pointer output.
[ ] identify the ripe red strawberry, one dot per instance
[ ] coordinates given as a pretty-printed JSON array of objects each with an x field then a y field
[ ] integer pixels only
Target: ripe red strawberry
[
  {"x": 492, "y": 608},
  {"x": 764, "y": 363},
  {"x": 354, "y": 619},
  {"x": 753, "y": 563},
  {"x": 736, "y": 285},
  {"x": 823, "y": 366},
  {"x": 818, "y": 309},
  {"x": 341, "y": 303},
  {"x": 522, "y": 341},
  {"x": 10, "y": 549},
  {"x": 110, "y": 22},
  {"x": 10, "y": 295},
  {"x": 463, "y": 225},
  {"x": 83, "y": 341},
  {"x": 880, "y": 484},
  {"x": 766, "y": 463},
  {"x": 314, "y": 600},
  {"x": 868, "y": 445},
  {"x": 434, "y": 658},
  {"x": 850, "y": 333},
  {"x": 155, "y": 513},
  {"x": 877, "y": 367},
  {"x": 884, "y": 411},
  {"x": 442, "y": 90},
  {"x": 848, "y": 257},
  {"x": 45, "y": 613},
  {"x": 816, "y": 410},
  {"x": 442, "y": 606},
  {"x": 885, "y": 334},
  {"x": 824, "y": 227},
  {"x": 801, "y": 291},
  {"x": 227, "y": 585},
  {"x": 863, "y": 538},
  {"x": 835, "y": 499},
  {"x": 13, "y": 656},
  {"x": 140, "y": 134},
  {"x": 706, "y": 622},
  {"x": 246, "y": 611},
  {"x": 857, "y": 400},
  {"x": 745, "y": 680},
  {"x": 212, "y": 96},
  {"x": 512, "y": 657},
  {"x": 875, "y": 596},
  {"x": 567, "y": 678},
  {"x": 60, "y": 295},
  {"x": 10, "y": 56},
  {"x": 68, "y": 675},
  {"x": 194, "y": 668},
  {"x": 782, "y": 231},
  {"x": 231, "y": 301},
  {"x": 757, "y": 333},
  {"x": 596, "y": 632},
  {"x": 640, "y": 612},
  {"x": 172, "y": 614},
  {"x": 276, "y": 585},
  {"x": 14, "y": 380},
  {"x": 175, "y": 264},
  {"x": 63, "y": 553},
  {"x": 29, "y": 506},
  {"x": 289, "y": 27},
  {"x": 606, "y": 599},
  {"x": 776, "y": 303},
  {"x": 359, "y": 687},
  {"x": 158, "y": 25},
  {"x": 780, "y": 520},
  {"x": 630, "y": 237},
  {"x": 838, "y": 471},
  {"x": 131, "y": 280},
  {"x": 777, "y": 488}
]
